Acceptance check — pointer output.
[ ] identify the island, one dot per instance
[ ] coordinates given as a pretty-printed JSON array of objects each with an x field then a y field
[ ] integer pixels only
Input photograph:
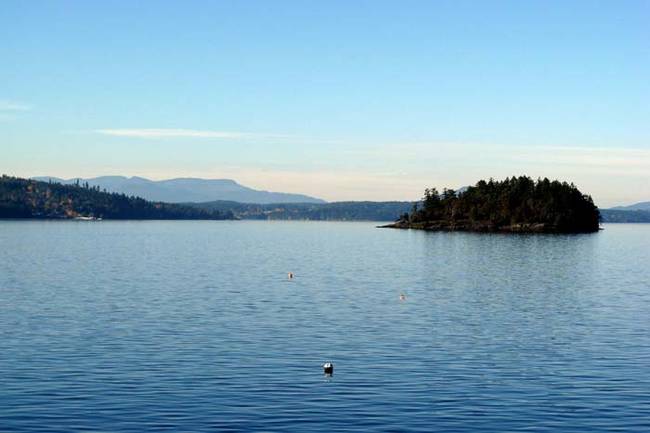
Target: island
[
  {"x": 515, "y": 205},
  {"x": 27, "y": 198}
]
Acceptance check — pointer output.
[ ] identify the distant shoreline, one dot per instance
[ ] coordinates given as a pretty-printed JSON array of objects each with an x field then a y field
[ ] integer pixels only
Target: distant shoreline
[{"x": 25, "y": 198}]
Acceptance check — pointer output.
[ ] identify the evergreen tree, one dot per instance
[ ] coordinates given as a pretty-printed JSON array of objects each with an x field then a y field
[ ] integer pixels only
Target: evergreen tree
[{"x": 514, "y": 203}]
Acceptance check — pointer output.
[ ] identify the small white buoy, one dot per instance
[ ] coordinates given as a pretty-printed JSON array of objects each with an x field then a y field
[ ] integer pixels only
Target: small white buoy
[
  {"x": 402, "y": 297},
  {"x": 328, "y": 368}
]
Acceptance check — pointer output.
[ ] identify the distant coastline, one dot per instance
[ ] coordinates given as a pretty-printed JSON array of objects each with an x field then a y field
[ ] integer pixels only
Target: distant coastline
[
  {"x": 25, "y": 198},
  {"x": 624, "y": 216},
  {"x": 31, "y": 198}
]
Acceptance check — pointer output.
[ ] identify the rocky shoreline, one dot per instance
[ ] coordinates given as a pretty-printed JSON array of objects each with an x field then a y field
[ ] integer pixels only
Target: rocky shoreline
[{"x": 480, "y": 227}]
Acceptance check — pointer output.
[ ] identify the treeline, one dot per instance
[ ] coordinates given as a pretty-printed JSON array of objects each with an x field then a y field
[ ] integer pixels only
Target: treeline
[
  {"x": 25, "y": 198},
  {"x": 514, "y": 204},
  {"x": 337, "y": 211}
]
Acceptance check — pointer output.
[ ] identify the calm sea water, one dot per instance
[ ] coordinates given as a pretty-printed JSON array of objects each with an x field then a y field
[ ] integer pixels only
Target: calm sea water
[{"x": 193, "y": 326}]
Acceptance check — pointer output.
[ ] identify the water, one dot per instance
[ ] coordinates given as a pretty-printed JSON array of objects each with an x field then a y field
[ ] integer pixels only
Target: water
[{"x": 193, "y": 326}]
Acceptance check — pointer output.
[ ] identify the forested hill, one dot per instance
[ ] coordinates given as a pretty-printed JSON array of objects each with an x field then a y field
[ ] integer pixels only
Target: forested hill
[
  {"x": 335, "y": 211},
  {"x": 517, "y": 204},
  {"x": 625, "y": 216},
  {"x": 23, "y": 198}
]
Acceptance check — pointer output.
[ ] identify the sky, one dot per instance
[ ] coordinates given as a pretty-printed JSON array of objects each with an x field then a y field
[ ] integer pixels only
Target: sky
[{"x": 343, "y": 100}]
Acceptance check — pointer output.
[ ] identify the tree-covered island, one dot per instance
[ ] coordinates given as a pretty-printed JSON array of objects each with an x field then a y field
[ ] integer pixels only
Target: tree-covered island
[
  {"x": 25, "y": 198},
  {"x": 517, "y": 204}
]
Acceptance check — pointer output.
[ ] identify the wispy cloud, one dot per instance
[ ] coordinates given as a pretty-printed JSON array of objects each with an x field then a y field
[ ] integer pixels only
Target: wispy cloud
[
  {"x": 619, "y": 161},
  {"x": 162, "y": 133},
  {"x": 10, "y": 106},
  {"x": 9, "y": 109},
  {"x": 461, "y": 155}
]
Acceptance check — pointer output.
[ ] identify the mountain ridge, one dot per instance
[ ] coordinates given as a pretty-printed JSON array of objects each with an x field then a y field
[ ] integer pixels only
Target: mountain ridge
[
  {"x": 185, "y": 189},
  {"x": 643, "y": 205}
]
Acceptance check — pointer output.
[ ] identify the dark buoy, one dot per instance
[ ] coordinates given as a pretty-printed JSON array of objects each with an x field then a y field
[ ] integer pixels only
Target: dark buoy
[
  {"x": 290, "y": 275},
  {"x": 402, "y": 297},
  {"x": 328, "y": 368}
]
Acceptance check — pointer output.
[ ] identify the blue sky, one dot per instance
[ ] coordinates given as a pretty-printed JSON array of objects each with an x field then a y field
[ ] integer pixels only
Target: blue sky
[{"x": 343, "y": 100}]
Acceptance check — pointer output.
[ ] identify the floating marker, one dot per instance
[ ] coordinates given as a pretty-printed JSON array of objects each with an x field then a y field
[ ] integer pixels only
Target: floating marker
[
  {"x": 328, "y": 368},
  {"x": 402, "y": 297},
  {"x": 290, "y": 275}
]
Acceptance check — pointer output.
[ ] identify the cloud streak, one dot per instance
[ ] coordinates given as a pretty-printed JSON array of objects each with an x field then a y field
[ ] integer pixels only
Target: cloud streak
[
  {"x": 163, "y": 133},
  {"x": 6, "y": 105},
  {"x": 622, "y": 161}
]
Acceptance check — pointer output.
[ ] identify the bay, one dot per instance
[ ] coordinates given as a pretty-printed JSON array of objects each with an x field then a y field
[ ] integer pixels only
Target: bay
[{"x": 139, "y": 326}]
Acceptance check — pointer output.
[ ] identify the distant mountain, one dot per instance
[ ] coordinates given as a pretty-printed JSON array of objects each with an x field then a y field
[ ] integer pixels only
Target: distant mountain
[
  {"x": 645, "y": 206},
  {"x": 183, "y": 190},
  {"x": 634, "y": 213},
  {"x": 625, "y": 216}
]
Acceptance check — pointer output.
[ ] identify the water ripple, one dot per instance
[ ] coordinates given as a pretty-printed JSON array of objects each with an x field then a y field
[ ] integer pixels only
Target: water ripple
[{"x": 193, "y": 326}]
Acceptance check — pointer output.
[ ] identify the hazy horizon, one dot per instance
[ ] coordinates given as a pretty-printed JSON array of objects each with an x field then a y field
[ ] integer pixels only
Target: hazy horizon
[
  {"x": 73, "y": 178},
  {"x": 361, "y": 101}
]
